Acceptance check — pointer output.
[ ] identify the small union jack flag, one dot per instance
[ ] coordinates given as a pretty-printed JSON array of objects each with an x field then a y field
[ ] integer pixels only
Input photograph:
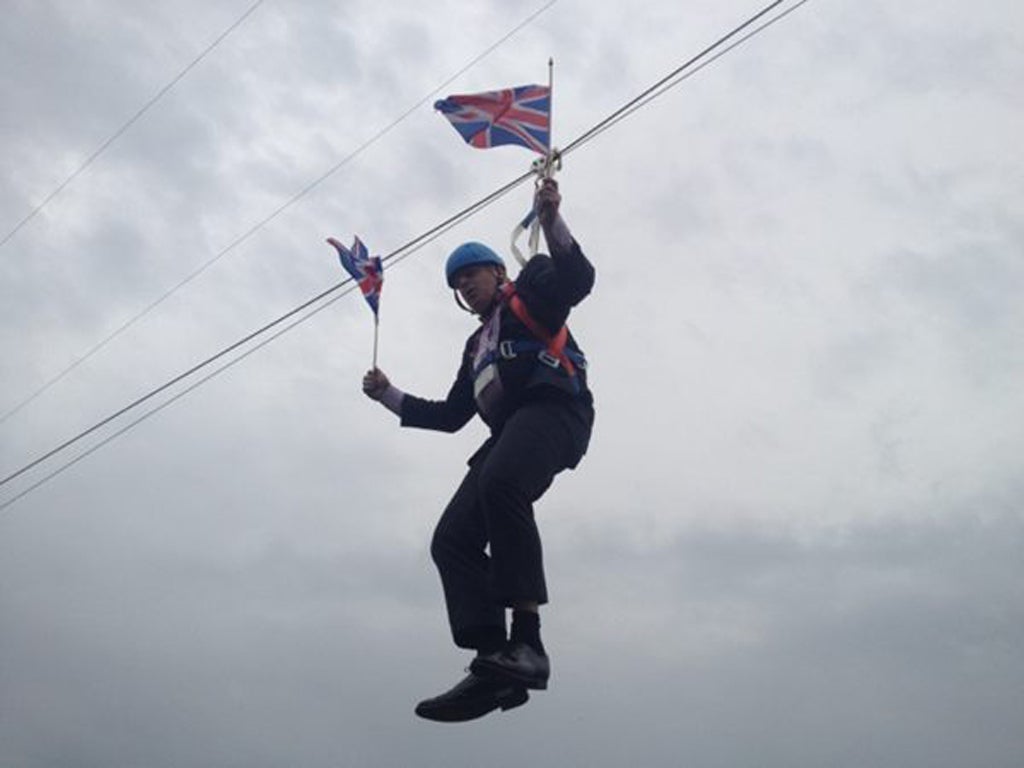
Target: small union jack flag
[
  {"x": 513, "y": 116},
  {"x": 368, "y": 272}
]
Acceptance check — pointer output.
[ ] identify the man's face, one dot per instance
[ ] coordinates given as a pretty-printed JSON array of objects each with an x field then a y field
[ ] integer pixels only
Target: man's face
[{"x": 478, "y": 285}]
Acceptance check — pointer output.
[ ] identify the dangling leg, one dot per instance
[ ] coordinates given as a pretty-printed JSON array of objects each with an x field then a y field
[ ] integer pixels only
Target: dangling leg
[
  {"x": 458, "y": 549},
  {"x": 535, "y": 445},
  {"x": 477, "y": 622}
]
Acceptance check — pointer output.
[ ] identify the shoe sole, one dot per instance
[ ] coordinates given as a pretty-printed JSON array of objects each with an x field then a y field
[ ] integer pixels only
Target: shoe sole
[
  {"x": 514, "y": 697},
  {"x": 485, "y": 669}
]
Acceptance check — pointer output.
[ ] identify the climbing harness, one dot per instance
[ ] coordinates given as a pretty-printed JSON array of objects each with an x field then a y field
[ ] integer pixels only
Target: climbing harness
[{"x": 551, "y": 350}]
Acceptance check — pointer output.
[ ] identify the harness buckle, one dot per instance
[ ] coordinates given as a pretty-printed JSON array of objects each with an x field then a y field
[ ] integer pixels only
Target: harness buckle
[
  {"x": 548, "y": 359},
  {"x": 506, "y": 350}
]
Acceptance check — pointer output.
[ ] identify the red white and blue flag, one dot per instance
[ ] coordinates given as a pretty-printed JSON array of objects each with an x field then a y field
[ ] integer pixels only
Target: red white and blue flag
[
  {"x": 367, "y": 271},
  {"x": 513, "y": 116}
]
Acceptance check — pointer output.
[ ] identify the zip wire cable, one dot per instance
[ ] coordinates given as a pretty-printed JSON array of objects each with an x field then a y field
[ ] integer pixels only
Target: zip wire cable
[
  {"x": 152, "y": 412},
  {"x": 130, "y": 122},
  {"x": 395, "y": 257},
  {"x": 400, "y": 253},
  {"x": 274, "y": 214},
  {"x": 639, "y": 100},
  {"x": 410, "y": 246},
  {"x": 680, "y": 74}
]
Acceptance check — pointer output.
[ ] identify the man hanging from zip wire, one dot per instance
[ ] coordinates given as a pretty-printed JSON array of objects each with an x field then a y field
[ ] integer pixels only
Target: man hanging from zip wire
[{"x": 523, "y": 372}]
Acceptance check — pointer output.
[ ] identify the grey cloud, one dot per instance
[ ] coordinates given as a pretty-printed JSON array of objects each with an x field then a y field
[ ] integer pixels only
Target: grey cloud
[
  {"x": 794, "y": 541},
  {"x": 902, "y": 632}
]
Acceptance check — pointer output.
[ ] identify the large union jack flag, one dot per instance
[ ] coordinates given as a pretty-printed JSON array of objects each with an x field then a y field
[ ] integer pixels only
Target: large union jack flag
[
  {"x": 519, "y": 115},
  {"x": 367, "y": 271}
]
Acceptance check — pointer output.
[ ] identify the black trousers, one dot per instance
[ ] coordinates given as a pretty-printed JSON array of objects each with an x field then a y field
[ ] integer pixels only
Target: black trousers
[{"x": 494, "y": 507}]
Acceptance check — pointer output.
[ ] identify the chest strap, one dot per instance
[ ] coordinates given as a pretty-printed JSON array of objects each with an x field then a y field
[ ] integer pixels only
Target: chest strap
[
  {"x": 511, "y": 348},
  {"x": 553, "y": 352}
]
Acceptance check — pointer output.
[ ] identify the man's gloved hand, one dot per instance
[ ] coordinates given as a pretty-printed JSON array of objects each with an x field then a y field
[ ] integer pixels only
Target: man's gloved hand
[{"x": 375, "y": 384}]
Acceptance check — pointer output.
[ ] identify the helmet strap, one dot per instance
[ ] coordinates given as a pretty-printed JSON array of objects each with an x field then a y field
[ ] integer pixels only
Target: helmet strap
[{"x": 458, "y": 300}]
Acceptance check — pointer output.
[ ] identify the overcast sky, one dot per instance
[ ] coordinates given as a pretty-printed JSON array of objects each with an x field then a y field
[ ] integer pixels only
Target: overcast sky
[{"x": 797, "y": 539}]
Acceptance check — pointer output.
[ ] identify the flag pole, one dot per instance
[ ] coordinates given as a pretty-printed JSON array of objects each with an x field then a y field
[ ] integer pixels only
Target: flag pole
[
  {"x": 376, "y": 330},
  {"x": 548, "y": 168},
  {"x": 551, "y": 117}
]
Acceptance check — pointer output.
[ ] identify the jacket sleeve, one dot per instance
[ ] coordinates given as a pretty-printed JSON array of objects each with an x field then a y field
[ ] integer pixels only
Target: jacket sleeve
[
  {"x": 552, "y": 285},
  {"x": 448, "y": 415}
]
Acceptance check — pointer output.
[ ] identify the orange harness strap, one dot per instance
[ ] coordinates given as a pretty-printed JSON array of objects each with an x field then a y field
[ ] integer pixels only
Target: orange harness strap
[{"x": 555, "y": 343}]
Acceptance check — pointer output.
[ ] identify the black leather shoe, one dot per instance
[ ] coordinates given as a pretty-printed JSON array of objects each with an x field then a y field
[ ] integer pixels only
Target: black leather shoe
[
  {"x": 515, "y": 663},
  {"x": 474, "y": 697}
]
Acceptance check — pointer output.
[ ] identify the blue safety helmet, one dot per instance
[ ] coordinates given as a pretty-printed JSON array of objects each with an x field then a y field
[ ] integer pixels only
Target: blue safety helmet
[{"x": 467, "y": 255}]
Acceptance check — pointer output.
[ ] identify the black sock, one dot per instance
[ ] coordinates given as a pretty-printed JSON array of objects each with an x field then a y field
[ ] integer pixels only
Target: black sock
[{"x": 526, "y": 629}]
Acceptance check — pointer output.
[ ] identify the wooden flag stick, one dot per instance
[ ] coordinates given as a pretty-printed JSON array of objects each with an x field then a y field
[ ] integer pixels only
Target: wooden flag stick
[{"x": 376, "y": 333}]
